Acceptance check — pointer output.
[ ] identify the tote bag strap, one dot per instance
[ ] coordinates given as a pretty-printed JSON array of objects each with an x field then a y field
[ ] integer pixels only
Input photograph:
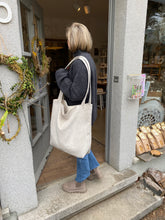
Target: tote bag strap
[{"x": 86, "y": 63}]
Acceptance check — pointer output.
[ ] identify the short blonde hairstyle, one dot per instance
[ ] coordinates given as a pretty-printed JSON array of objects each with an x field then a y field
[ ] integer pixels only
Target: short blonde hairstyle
[{"x": 79, "y": 37}]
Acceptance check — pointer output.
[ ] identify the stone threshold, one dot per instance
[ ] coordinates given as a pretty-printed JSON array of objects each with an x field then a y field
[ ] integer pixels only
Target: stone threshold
[
  {"x": 133, "y": 203},
  {"x": 54, "y": 204}
]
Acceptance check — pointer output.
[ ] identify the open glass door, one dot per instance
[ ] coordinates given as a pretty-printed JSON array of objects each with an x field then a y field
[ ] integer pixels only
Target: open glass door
[{"x": 38, "y": 107}]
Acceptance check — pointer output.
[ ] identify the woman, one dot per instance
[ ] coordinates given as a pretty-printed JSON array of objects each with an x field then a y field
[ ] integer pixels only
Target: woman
[{"x": 73, "y": 83}]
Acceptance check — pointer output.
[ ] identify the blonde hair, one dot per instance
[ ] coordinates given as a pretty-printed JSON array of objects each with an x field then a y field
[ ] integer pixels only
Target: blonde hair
[{"x": 79, "y": 37}]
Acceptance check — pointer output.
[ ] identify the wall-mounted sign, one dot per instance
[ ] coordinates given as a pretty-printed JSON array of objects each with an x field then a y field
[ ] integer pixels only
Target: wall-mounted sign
[{"x": 9, "y": 13}]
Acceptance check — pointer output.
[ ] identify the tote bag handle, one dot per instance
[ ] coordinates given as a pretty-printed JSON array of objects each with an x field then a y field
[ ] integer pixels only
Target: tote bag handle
[{"x": 86, "y": 63}]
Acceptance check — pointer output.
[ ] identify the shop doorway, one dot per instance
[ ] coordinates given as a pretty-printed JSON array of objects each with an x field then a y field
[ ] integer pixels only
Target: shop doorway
[{"x": 57, "y": 16}]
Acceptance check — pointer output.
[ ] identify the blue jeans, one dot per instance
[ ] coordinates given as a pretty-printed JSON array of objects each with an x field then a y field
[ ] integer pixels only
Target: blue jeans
[{"x": 85, "y": 165}]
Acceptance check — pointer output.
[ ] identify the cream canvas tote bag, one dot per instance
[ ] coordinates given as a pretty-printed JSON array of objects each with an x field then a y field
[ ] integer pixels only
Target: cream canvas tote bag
[{"x": 70, "y": 127}]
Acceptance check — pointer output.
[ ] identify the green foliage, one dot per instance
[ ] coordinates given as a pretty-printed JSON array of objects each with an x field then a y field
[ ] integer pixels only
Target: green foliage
[{"x": 23, "y": 88}]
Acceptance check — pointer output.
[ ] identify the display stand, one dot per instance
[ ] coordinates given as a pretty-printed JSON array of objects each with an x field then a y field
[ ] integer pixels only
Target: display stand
[
  {"x": 102, "y": 77},
  {"x": 100, "y": 94}
]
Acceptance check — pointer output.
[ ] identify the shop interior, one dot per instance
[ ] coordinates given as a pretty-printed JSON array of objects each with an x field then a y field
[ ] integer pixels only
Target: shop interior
[
  {"x": 150, "y": 138},
  {"x": 57, "y": 16}
]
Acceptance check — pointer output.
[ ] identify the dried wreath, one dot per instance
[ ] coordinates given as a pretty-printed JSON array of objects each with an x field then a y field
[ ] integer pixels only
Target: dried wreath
[
  {"x": 21, "y": 90},
  {"x": 40, "y": 60}
]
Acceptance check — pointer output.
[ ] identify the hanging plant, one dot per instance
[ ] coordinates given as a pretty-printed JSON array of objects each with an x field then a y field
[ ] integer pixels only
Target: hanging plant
[
  {"x": 21, "y": 90},
  {"x": 40, "y": 60}
]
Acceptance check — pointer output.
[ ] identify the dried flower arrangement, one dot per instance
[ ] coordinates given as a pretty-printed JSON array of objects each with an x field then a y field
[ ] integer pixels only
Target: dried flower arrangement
[{"x": 40, "y": 60}]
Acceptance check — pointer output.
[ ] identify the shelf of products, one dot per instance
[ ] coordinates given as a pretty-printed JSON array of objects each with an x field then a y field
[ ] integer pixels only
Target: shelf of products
[
  {"x": 102, "y": 80},
  {"x": 102, "y": 77},
  {"x": 153, "y": 69}
]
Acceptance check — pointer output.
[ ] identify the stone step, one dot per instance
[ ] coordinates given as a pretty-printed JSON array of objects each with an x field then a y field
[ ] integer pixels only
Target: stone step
[
  {"x": 56, "y": 204},
  {"x": 131, "y": 204}
]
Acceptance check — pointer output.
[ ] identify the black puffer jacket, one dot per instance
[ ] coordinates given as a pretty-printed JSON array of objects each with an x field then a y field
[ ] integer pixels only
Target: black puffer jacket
[{"x": 73, "y": 82}]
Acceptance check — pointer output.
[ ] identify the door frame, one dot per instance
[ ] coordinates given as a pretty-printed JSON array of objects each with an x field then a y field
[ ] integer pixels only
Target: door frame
[{"x": 111, "y": 21}]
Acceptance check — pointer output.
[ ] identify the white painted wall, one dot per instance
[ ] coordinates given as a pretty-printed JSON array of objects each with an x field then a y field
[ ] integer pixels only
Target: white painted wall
[
  {"x": 130, "y": 19},
  {"x": 17, "y": 182}
]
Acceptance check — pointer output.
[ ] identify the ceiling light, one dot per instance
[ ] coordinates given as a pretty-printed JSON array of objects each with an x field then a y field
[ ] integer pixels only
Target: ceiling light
[
  {"x": 76, "y": 6},
  {"x": 87, "y": 9}
]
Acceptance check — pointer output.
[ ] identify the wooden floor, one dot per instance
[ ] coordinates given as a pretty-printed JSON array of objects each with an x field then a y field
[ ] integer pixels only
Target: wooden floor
[
  {"x": 98, "y": 130},
  {"x": 60, "y": 164}
]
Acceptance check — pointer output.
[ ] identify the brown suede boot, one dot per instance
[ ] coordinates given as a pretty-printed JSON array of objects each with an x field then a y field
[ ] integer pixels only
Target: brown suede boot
[
  {"x": 74, "y": 187},
  {"x": 95, "y": 174}
]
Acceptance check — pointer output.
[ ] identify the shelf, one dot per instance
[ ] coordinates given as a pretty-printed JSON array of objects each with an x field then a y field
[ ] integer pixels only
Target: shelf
[
  {"x": 137, "y": 98},
  {"x": 99, "y": 83},
  {"x": 148, "y": 157},
  {"x": 102, "y": 77},
  {"x": 101, "y": 93},
  {"x": 152, "y": 67}
]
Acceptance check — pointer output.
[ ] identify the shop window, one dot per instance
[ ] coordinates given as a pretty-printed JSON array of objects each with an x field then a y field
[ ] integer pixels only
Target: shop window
[
  {"x": 154, "y": 47},
  {"x": 151, "y": 117},
  {"x": 37, "y": 26},
  {"x": 154, "y": 65},
  {"x": 25, "y": 30}
]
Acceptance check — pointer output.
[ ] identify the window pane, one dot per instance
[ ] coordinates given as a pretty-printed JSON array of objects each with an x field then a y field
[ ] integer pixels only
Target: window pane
[
  {"x": 36, "y": 26},
  {"x": 33, "y": 121},
  {"x": 44, "y": 111},
  {"x": 154, "y": 48},
  {"x": 25, "y": 32},
  {"x": 152, "y": 105}
]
